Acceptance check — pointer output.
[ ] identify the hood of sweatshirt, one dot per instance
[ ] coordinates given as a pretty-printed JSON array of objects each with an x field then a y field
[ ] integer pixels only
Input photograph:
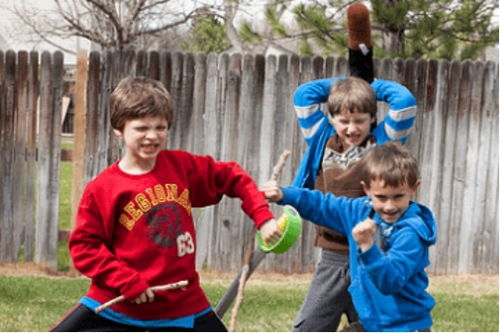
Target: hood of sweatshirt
[{"x": 421, "y": 219}]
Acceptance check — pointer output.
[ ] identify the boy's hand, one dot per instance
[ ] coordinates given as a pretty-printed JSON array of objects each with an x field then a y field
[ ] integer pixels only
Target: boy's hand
[
  {"x": 147, "y": 296},
  {"x": 270, "y": 231},
  {"x": 272, "y": 192},
  {"x": 363, "y": 233}
]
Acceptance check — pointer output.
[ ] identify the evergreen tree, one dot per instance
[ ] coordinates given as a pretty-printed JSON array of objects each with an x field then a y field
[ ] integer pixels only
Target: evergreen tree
[
  {"x": 427, "y": 29},
  {"x": 207, "y": 34}
]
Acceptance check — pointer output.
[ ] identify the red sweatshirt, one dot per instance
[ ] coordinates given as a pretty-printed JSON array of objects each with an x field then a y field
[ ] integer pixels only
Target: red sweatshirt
[{"x": 137, "y": 231}]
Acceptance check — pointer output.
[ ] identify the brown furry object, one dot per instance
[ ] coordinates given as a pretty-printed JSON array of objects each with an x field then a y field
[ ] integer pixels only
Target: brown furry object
[{"x": 358, "y": 26}]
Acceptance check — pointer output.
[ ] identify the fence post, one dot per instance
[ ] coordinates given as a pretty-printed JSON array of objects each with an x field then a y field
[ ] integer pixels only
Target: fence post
[
  {"x": 49, "y": 159},
  {"x": 8, "y": 123}
]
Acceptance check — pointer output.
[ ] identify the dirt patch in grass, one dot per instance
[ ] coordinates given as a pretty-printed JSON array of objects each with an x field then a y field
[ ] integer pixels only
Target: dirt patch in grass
[
  {"x": 467, "y": 284},
  {"x": 30, "y": 269},
  {"x": 257, "y": 278}
]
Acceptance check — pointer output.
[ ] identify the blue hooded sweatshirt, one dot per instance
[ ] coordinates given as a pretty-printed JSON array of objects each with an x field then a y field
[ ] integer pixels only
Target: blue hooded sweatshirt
[{"x": 388, "y": 281}]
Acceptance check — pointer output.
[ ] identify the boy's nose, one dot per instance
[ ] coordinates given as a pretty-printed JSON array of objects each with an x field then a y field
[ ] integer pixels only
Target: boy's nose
[
  {"x": 351, "y": 128},
  {"x": 390, "y": 206},
  {"x": 151, "y": 134}
]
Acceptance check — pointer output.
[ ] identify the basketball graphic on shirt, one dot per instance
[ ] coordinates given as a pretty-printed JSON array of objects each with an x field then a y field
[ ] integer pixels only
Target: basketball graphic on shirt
[{"x": 164, "y": 224}]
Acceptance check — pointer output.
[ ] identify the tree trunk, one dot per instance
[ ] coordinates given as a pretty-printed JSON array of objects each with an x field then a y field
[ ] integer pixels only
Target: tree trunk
[{"x": 392, "y": 32}]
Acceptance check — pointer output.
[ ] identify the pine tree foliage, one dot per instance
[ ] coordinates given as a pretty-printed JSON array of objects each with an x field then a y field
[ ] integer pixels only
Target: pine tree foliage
[
  {"x": 316, "y": 25},
  {"x": 247, "y": 34},
  {"x": 274, "y": 21},
  {"x": 207, "y": 35},
  {"x": 427, "y": 29}
]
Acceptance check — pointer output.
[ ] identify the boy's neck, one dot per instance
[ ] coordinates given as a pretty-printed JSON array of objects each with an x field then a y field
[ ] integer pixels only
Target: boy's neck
[{"x": 136, "y": 167}]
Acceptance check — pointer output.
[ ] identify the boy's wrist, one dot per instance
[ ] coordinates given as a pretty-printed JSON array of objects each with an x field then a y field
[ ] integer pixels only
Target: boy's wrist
[
  {"x": 365, "y": 246},
  {"x": 261, "y": 216}
]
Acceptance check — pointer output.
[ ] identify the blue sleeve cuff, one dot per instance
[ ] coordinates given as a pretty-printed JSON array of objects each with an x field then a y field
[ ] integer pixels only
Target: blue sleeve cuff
[
  {"x": 373, "y": 254},
  {"x": 286, "y": 196}
]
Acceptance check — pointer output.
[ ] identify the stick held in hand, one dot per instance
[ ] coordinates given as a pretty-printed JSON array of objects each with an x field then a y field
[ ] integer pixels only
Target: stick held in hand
[{"x": 121, "y": 298}]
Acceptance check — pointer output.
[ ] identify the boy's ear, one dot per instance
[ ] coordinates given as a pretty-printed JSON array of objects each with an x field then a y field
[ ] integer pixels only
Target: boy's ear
[
  {"x": 364, "y": 187},
  {"x": 117, "y": 132},
  {"x": 416, "y": 186}
]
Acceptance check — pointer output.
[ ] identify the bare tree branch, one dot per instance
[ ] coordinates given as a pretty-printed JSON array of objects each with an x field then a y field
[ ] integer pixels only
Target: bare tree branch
[{"x": 112, "y": 24}]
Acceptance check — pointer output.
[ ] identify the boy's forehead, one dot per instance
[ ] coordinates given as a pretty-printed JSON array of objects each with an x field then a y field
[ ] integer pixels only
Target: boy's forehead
[
  {"x": 149, "y": 118},
  {"x": 348, "y": 112},
  {"x": 380, "y": 185}
]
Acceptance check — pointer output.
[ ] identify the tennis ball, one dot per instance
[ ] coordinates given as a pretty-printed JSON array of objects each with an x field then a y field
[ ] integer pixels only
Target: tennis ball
[{"x": 282, "y": 222}]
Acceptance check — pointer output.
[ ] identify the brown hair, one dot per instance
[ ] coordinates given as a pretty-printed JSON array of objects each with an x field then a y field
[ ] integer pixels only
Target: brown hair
[
  {"x": 353, "y": 94},
  {"x": 392, "y": 163},
  {"x": 139, "y": 97}
]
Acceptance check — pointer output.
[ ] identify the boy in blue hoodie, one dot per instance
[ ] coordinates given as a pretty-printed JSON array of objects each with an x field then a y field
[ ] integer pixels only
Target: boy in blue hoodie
[{"x": 389, "y": 237}]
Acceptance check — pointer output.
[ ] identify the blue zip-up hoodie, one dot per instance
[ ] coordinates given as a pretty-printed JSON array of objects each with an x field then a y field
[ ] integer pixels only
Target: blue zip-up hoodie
[
  {"x": 316, "y": 128},
  {"x": 387, "y": 285}
]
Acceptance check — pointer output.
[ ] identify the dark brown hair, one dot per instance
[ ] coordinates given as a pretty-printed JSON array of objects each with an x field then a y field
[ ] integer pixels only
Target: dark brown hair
[
  {"x": 139, "y": 97},
  {"x": 392, "y": 163},
  {"x": 352, "y": 94}
]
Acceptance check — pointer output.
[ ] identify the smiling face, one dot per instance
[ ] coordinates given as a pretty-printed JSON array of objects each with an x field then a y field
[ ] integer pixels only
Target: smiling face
[
  {"x": 352, "y": 127},
  {"x": 390, "y": 202},
  {"x": 144, "y": 138}
]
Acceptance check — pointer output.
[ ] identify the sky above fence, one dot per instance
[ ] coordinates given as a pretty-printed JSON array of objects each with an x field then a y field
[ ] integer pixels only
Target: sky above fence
[{"x": 16, "y": 39}]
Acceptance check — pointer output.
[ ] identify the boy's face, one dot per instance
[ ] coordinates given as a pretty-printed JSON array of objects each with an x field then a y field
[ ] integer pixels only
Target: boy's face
[
  {"x": 389, "y": 202},
  {"x": 352, "y": 127},
  {"x": 144, "y": 138}
]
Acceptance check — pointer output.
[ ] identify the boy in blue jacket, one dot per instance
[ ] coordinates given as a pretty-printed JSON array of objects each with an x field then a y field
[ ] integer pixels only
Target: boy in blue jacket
[{"x": 389, "y": 237}]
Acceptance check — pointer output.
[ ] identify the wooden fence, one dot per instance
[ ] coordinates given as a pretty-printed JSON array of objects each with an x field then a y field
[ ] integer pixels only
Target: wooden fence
[{"x": 240, "y": 108}]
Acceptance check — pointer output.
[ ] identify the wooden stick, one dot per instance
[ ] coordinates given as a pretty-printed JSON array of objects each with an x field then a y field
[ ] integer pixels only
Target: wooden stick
[
  {"x": 121, "y": 298},
  {"x": 243, "y": 278},
  {"x": 248, "y": 255},
  {"x": 279, "y": 166}
]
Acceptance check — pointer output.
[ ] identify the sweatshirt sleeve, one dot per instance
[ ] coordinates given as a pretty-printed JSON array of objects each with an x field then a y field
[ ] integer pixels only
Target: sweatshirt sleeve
[
  {"x": 212, "y": 180},
  {"x": 93, "y": 258},
  {"x": 307, "y": 101},
  {"x": 390, "y": 271},
  {"x": 337, "y": 213},
  {"x": 400, "y": 118}
]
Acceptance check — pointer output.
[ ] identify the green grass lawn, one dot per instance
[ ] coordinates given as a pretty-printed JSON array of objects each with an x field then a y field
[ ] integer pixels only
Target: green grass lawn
[{"x": 34, "y": 303}]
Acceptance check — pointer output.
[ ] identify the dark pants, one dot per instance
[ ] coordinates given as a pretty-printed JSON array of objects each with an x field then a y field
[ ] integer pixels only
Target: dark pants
[
  {"x": 82, "y": 319},
  {"x": 327, "y": 298}
]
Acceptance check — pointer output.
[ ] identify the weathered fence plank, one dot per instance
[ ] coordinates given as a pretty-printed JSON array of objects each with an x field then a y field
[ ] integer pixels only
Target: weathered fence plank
[
  {"x": 229, "y": 213},
  {"x": 486, "y": 172},
  {"x": 78, "y": 174},
  {"x": 469, "y": 210},
  {"x": 91, "y": 119},
  {"x": 19, "y": 172},
  {"x": 3, "y": 174},
  {"x": 31, "y": 138},
  {"x": 450, "y": 118},
  {"x": 49, "y": 156},
  {"x": 250, "y": 116},
  {"x": 8, "y": 125},
  {"x": 200, "y": 79}
]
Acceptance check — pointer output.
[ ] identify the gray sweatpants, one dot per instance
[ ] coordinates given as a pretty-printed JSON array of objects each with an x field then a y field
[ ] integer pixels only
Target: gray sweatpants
[{"x": 327, "y": 298}]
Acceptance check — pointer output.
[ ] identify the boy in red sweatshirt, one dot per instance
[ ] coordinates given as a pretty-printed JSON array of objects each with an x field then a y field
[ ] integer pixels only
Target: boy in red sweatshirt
[{"x": 135, "y": 226}]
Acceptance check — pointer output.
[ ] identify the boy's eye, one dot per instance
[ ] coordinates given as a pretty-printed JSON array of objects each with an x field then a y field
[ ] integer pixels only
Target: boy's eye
[{"x": 161, "y": 128}]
